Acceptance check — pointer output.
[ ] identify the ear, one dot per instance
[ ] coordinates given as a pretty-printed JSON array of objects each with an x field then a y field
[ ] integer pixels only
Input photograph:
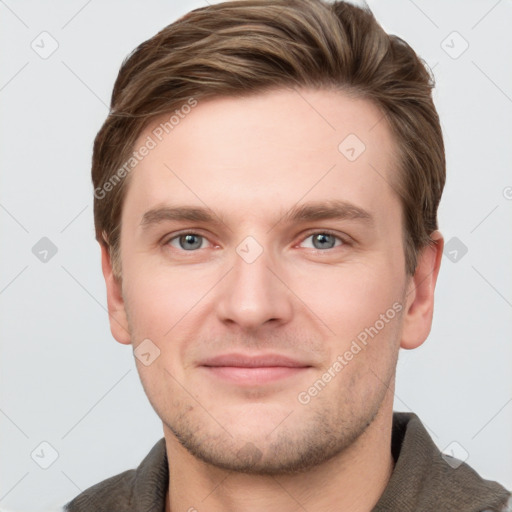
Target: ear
[
  {"x": 420, "y": 294},
  {"x": 115, "y": 302}
]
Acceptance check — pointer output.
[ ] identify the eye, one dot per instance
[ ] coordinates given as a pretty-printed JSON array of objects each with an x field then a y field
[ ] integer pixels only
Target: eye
[
  {"x": 187, "y": 241},
  {"x": 324, "y": 240}
]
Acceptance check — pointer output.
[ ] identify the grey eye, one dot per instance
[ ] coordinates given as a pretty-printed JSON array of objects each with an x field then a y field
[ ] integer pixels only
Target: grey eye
[
  {"x": 188, "y": 242},
  {"x": 323, "y": 241}
]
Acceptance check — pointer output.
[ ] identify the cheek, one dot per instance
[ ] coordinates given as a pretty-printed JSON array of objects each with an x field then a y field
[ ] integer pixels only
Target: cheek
[
  {"x": 349, "y": 300},
  {"x": 160, "y": 298},
  {"x": 163, "y": 306},
  {"x": 361, "y": 306}
]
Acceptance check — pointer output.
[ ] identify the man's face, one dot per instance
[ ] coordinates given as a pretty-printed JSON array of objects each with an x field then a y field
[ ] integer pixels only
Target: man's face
[{"x": 260, "y": 278}]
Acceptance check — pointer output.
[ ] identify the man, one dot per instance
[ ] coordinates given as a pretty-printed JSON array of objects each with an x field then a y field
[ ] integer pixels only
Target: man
[{"x": 266, "y": 194}]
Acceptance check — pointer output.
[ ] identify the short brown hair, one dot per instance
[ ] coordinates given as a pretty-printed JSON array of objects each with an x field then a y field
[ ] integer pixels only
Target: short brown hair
[{"x": 250, "y": 46}]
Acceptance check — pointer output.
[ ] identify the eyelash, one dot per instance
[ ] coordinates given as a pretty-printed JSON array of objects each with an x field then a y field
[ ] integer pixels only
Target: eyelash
[{"x": 344, "y": 240}]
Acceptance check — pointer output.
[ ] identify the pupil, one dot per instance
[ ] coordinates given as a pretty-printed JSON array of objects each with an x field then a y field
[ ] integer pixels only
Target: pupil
[
  {"x": 321, "y": 239},
  {"x": 187, "y": 242}
]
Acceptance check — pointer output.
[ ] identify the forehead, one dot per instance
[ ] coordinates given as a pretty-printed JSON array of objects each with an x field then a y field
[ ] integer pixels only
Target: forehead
[{"x": 267, "y": 152}]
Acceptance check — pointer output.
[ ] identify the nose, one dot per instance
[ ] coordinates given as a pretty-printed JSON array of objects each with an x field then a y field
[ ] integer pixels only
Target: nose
[{"x": 254, "y": 294}]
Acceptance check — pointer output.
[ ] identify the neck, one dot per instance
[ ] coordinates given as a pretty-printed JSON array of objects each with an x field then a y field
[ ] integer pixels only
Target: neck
[{"x": 351, "y": 481}]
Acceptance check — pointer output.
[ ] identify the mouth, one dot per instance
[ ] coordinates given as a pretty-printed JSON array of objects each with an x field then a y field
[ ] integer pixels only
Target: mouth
[{"x": 243, "y": 369}]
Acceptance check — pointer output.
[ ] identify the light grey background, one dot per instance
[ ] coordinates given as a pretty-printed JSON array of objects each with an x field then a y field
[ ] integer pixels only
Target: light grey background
[{"x": 63, "y": 378}]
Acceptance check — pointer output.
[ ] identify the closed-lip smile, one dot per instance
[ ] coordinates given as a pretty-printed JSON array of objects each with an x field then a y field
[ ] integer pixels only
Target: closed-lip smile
[
  {"x": 253, "y": 361},
  {"x": 253, "y": 370}
]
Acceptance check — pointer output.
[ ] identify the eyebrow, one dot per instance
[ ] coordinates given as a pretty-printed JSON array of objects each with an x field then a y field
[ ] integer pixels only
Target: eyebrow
[
  {"x": 313, "y": 211},
  {"x": 179, "y": 213},
  {"x": 330, "y": 209}
]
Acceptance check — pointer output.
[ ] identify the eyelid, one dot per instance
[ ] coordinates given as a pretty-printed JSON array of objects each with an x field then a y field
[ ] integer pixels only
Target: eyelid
[
  {"x": 345, "y": 239},
  {"x": 169, "y": 237}
]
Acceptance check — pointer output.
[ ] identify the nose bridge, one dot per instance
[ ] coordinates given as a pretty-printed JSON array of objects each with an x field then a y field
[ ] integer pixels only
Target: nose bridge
[{"x": 252, "y": 295}]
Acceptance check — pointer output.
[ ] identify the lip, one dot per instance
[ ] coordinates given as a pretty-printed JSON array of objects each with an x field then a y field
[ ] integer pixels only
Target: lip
[
  {"x": 253, "y": 370},
  {"x": 253, "y": 361}
]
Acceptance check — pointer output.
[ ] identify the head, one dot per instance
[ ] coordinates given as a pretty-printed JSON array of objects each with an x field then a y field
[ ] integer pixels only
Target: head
[{"x": 267, "y": 181}]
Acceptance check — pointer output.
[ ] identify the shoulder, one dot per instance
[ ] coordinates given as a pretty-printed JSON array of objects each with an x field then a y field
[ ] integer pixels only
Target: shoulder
[
  {"x": 143, "y": 488},
  {"x": 506, "y": 508},
  {"x": 426, "y": 479},
  {"x": 103, "y": 495}
]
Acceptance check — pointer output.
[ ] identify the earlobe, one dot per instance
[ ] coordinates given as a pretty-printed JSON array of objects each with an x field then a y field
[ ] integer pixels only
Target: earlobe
[
  {"x": 419, "y": 301},
  {"x": 115, "y": 302}
]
